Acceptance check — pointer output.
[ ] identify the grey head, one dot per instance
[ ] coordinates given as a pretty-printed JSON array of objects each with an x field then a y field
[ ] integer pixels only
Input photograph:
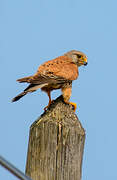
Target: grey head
[{"x": 78, "y": 57}]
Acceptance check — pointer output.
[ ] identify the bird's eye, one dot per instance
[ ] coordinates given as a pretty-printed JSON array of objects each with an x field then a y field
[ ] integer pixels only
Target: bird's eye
[{"x": 79, "y": 56}]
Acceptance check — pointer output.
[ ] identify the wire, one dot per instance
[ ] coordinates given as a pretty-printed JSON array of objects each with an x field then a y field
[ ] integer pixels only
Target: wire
[{"x": 13, "y": 169}]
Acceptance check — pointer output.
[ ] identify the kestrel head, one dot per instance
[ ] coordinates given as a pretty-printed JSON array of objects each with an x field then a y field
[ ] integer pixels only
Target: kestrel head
[{"x": 78, "y": 57}]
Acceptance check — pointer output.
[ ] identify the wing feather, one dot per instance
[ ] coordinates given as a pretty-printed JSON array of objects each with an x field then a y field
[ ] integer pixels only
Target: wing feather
[{"x": 61, "y": 68}]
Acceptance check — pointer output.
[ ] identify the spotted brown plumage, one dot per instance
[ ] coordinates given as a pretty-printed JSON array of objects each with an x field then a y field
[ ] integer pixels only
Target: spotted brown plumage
[{"x": 55, "y": 74}]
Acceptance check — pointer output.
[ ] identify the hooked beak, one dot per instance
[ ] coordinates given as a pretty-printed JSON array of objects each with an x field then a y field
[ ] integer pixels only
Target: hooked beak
[{"x": 85, "y": 62}]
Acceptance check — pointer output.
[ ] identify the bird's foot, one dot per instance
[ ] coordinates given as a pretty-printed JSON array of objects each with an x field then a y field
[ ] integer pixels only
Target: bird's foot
[
  {"x": 45, "y": 108},
  {"x": 74, "y": 105}
]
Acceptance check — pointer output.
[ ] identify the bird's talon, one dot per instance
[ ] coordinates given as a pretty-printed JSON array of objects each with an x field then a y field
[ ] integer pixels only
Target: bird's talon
[
  {"x": 74, "y": 105},
  {"x": 45, "y": 108}
]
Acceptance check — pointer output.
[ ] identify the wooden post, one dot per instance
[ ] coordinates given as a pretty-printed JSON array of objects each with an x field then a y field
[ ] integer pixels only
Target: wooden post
[{"x": 56, "y": 144}]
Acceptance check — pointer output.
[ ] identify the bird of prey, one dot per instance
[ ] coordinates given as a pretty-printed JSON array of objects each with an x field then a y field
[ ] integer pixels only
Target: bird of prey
[{"x": 55, "y": 74}]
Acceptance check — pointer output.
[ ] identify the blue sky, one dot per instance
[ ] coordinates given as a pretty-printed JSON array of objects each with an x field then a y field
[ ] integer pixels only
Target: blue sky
[{"x": 32, "y": 32}]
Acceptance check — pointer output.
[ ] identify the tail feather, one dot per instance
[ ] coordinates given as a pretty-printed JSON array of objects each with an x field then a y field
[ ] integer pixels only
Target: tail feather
[
  {"x": 30, "y": 88},
  {"x": 19, "y": 96},
  {"x": 25, "y": 79}
]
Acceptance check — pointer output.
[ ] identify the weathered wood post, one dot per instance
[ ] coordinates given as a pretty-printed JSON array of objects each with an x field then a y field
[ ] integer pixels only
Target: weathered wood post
[{"x": 56, "y": 144}]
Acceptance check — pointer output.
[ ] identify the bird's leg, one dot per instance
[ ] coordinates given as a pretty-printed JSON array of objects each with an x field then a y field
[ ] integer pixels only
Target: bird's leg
[
  {"x": 49, "y": 95},
  {"x": 66, "y": 96},
  {"x": 50, "y": 101}
]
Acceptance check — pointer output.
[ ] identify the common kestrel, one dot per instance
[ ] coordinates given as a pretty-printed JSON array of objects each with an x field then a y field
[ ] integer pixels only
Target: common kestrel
[{"x": 55, "y": 74}]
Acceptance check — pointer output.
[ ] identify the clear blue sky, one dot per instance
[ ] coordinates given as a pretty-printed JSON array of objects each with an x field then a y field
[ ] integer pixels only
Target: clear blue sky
[{"x": 32, "y": 32}]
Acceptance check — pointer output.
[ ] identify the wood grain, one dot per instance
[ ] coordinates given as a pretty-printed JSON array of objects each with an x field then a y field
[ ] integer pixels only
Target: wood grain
[{"x": 56, "y": 144}]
